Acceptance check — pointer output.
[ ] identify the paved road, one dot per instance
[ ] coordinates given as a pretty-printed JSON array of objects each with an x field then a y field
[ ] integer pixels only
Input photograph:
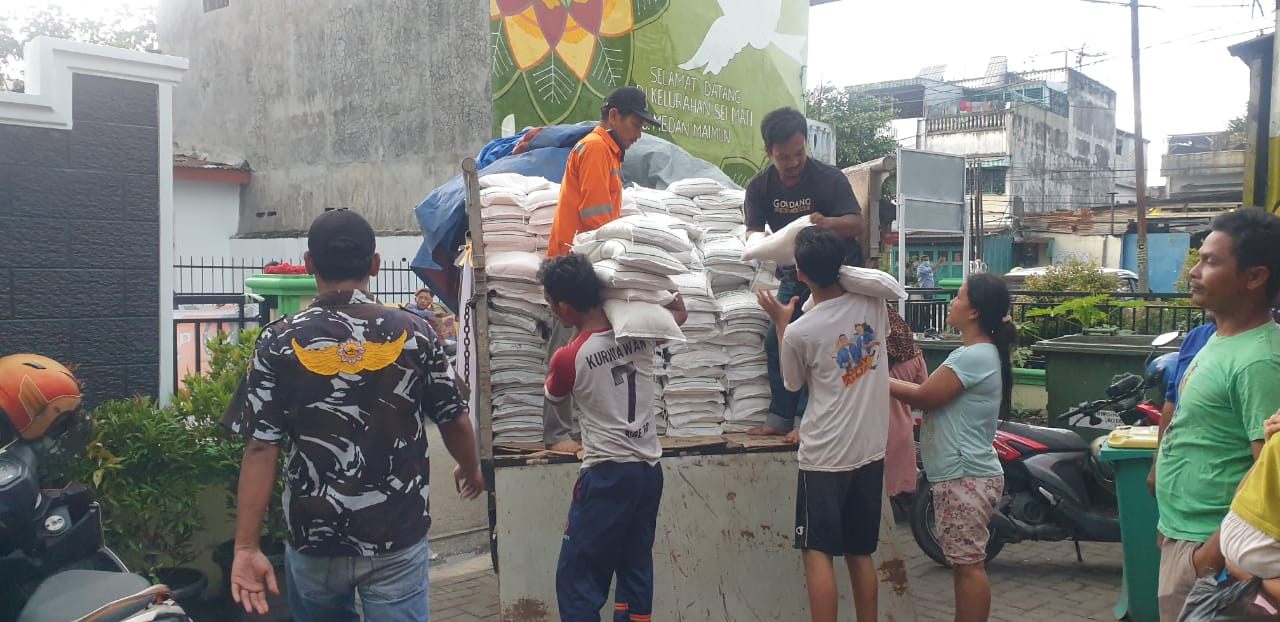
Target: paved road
[{"x": 1033, "y": 581}]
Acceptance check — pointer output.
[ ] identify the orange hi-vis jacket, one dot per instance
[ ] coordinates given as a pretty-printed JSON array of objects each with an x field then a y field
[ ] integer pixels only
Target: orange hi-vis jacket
[{"x": 591, "y": 193}]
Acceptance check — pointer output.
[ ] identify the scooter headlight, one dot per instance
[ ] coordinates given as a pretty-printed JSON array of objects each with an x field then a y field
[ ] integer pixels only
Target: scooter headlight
[{"x": 10, "y": 471}]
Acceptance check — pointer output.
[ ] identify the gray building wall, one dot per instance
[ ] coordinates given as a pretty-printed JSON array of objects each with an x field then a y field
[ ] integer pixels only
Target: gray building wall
[
  {"x": 1125, "y": 165},
  {"x": 1054, "y": 162},
  {"x": 1061, "y": 162},
  {"x": 1210, "y": 171},
  {"x": 80, "y": 239},
  {"x": 334, "y": 104}
]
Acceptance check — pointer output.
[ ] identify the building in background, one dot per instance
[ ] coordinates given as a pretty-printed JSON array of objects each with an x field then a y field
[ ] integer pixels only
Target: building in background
[
  {"x": 332, "y": 104},
  {"x": 1044, "y": 140},
  {"x": 1205, "y": 165}
]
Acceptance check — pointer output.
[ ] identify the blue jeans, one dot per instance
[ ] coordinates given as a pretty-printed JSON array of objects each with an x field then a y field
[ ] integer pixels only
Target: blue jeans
[
  {"x": 786, "y": 406},
  {"x": 392, "y": 587}
]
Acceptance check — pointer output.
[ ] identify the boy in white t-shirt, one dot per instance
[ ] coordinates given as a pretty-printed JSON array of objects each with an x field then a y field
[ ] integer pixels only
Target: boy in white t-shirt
[
  {"x": 845, "y": 427},
  {"x": 614, "y": 513}
]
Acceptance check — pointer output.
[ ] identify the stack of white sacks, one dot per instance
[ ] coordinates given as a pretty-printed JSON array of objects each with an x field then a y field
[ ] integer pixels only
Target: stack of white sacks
[
  {"x": 693, "y": 395},
  {"x": 516, "y": 345},
  {"x": 517, "y": 212},
  {"x": 688, "y": 238},
  {"x": 747, "y": 376}
]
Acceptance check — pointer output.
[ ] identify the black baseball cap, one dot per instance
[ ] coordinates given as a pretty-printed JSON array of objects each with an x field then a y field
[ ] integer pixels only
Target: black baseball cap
[
  {"x": 630, "y": 100},
  {"x": 340, "y": 237}
]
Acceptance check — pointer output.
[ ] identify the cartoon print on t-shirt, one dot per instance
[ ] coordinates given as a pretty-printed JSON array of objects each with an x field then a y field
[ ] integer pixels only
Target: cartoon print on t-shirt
[{"x": 856, "y": 355}]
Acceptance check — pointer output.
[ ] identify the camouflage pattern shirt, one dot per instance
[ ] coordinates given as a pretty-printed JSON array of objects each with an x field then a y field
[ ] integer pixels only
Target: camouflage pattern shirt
[{"x": 346, "y": 387}]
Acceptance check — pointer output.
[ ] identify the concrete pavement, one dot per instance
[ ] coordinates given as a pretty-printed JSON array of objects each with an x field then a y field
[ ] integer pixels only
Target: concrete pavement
[{"x": 1030, "y": 581}]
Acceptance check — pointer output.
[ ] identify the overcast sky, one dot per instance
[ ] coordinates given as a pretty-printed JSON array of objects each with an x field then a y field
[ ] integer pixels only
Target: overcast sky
[{"x": 1190, "y": 82}]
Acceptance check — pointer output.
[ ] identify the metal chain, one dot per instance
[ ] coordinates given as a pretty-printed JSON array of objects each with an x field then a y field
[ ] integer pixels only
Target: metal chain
[{"x": 470, "y": 311}]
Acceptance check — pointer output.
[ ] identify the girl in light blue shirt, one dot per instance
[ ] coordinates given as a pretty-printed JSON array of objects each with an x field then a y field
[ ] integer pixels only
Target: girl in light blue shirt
[{"x": 963, "y": 399}]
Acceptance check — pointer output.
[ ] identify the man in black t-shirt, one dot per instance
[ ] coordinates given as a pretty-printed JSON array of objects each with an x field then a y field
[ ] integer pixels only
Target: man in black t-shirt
[{"x": 795, "y": 186}]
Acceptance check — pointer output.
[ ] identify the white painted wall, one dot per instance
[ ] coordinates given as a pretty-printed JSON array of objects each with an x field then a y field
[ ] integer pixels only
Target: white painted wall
[
  {"x": 205, "y": 216},
  {"x": 973, "y": 143},
  {"x": 1102, "y": 249},
  {"x": 394, "y": 249}
]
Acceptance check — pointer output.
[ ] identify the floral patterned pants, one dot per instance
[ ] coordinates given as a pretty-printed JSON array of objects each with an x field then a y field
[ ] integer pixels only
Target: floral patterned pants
[{"x": 962, "y": 509}]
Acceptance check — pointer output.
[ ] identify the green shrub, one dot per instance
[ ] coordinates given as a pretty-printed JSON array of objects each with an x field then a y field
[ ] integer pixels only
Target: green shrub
[
  {"x": 1184, "y": 279},
  {"x": 205, "y": 398},
  {"x": 147, "y": 466},
  {"x": 1074, "y": 275}
]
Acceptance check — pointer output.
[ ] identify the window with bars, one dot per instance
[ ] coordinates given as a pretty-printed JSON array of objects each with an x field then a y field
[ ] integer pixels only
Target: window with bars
[{"x": 993, "y": 180}]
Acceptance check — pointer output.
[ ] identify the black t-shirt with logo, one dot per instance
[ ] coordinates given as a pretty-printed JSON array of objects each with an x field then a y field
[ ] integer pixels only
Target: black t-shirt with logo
[
  {"x": 823, "y": 189},
  {"x": 347, "y": 387}
]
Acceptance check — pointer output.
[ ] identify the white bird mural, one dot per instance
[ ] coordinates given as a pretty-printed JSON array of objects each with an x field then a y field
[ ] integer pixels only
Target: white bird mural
[{"x": 743, "y": 23}]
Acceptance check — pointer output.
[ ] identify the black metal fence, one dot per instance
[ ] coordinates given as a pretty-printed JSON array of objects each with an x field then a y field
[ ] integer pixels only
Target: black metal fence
[
  {"x": 396, "y": 282},
  {"x": 1142, "y": 314},
  {"x": 210, "y": 296}
]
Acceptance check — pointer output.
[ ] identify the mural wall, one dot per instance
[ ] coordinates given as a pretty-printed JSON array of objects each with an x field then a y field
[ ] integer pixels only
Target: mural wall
[{"x": 711, "y": 70}]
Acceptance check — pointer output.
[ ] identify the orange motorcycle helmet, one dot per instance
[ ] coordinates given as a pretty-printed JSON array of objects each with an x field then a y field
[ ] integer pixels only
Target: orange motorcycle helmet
[{"x": 37, "y": 394}]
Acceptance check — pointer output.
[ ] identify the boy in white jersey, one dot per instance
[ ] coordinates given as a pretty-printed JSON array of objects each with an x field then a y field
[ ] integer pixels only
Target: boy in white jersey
[
  {"x": 845, "y": 427},
  {"x": 614, "y": 512}
]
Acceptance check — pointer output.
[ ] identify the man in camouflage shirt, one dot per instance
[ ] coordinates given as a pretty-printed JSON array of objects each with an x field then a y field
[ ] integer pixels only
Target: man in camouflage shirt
[{"x": 346, "y": 387}]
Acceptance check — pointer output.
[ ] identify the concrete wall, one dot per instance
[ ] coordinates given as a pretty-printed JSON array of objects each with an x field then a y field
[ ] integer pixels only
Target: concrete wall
[
  {"x": 1064, "y": 163},
  {"x": 1203, "y": 172},
  {"x": 80, "y": 239},
  {"x": 333, "y": 103},
  {"x": 205, "y": 216},
  {"x": 1125, "y": 166},
  {"x": 1104, "y": 250},
  {"x": 984, "y": 142}
]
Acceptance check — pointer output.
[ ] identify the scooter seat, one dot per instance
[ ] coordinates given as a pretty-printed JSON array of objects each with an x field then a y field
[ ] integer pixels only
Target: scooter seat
[
  {"x": 74, "y": 594},
  {"x": 1056, "y": 439}
]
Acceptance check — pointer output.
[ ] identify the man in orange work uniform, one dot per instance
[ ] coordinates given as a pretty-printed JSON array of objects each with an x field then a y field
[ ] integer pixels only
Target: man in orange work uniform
[
  {"x": 590, "y": 197},
  {"x": 591, "y": 194}
]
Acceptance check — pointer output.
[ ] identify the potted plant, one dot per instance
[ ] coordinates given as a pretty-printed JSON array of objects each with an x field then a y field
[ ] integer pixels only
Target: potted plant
[{"x": 148, "y": 466}]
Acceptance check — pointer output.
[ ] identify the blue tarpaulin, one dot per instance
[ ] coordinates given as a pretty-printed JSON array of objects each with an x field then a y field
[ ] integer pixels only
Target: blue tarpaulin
[{"x": 651, "y": 162}]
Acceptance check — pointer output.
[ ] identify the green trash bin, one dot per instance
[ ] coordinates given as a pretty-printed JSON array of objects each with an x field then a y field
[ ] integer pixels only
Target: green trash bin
[
  {"x": 1079, "y": 368},
  {"x": 1138, "y": 518},
  {"x": 937, "y": 350},
  {"x": 951, "y": 284},
  {"x": 291, "y": 292}
]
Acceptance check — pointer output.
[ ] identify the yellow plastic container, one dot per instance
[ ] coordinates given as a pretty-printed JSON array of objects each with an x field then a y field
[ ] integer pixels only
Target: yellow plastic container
[{"x": 1135, "y": 437}]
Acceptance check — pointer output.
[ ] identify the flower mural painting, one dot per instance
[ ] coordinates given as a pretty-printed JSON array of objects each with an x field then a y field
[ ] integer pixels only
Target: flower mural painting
[
  {"x": 555, "y": 48},
  {"x": 570, "y": 29}
]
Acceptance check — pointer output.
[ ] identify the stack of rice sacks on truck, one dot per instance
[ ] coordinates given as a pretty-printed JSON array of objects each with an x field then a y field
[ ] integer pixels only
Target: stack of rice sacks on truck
[
  {"x": 512, "y": 206},
  {"x": 747, "y": 375}
]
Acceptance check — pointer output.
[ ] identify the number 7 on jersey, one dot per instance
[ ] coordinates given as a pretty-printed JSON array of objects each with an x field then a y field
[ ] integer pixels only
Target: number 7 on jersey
[{"x": 627, "y": 372}]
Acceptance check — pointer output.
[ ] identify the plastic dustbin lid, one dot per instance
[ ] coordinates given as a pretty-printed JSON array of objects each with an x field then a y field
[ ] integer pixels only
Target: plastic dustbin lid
[{"x": 1135, "y": 437}]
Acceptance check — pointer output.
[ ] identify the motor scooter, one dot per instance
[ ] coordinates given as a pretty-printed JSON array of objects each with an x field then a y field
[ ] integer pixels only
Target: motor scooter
[{"x": 54, "y": 564}]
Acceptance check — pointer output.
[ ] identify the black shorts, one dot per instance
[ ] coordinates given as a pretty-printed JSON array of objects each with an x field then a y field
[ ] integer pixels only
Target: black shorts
[{"x": 838, "y": 513}]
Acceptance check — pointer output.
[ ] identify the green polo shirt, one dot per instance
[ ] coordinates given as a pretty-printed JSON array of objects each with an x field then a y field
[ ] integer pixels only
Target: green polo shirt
[{"x": 1230, "y": 389}]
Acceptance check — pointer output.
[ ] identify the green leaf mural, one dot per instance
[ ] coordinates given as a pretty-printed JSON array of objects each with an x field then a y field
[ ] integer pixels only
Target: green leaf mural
[
  {"x": 740, "y": 170},
  {"x": 504, "y": 67},
  {"x": 612, "y": 65},
  {"x": 554, "y": 62},
  {"x": 554, "y": 89},
  {"x": 648, "y": 11}
]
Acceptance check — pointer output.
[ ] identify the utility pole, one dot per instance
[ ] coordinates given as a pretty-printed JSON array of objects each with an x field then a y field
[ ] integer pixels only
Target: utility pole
[
  {"x": 1113, "y": 212},
  {"x": 977, "y": 210},
  {"x": 1140, "y": 155}
]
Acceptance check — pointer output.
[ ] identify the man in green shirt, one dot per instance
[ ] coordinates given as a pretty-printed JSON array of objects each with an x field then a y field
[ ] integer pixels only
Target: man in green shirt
[{"x": 1230, "y": 389}]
